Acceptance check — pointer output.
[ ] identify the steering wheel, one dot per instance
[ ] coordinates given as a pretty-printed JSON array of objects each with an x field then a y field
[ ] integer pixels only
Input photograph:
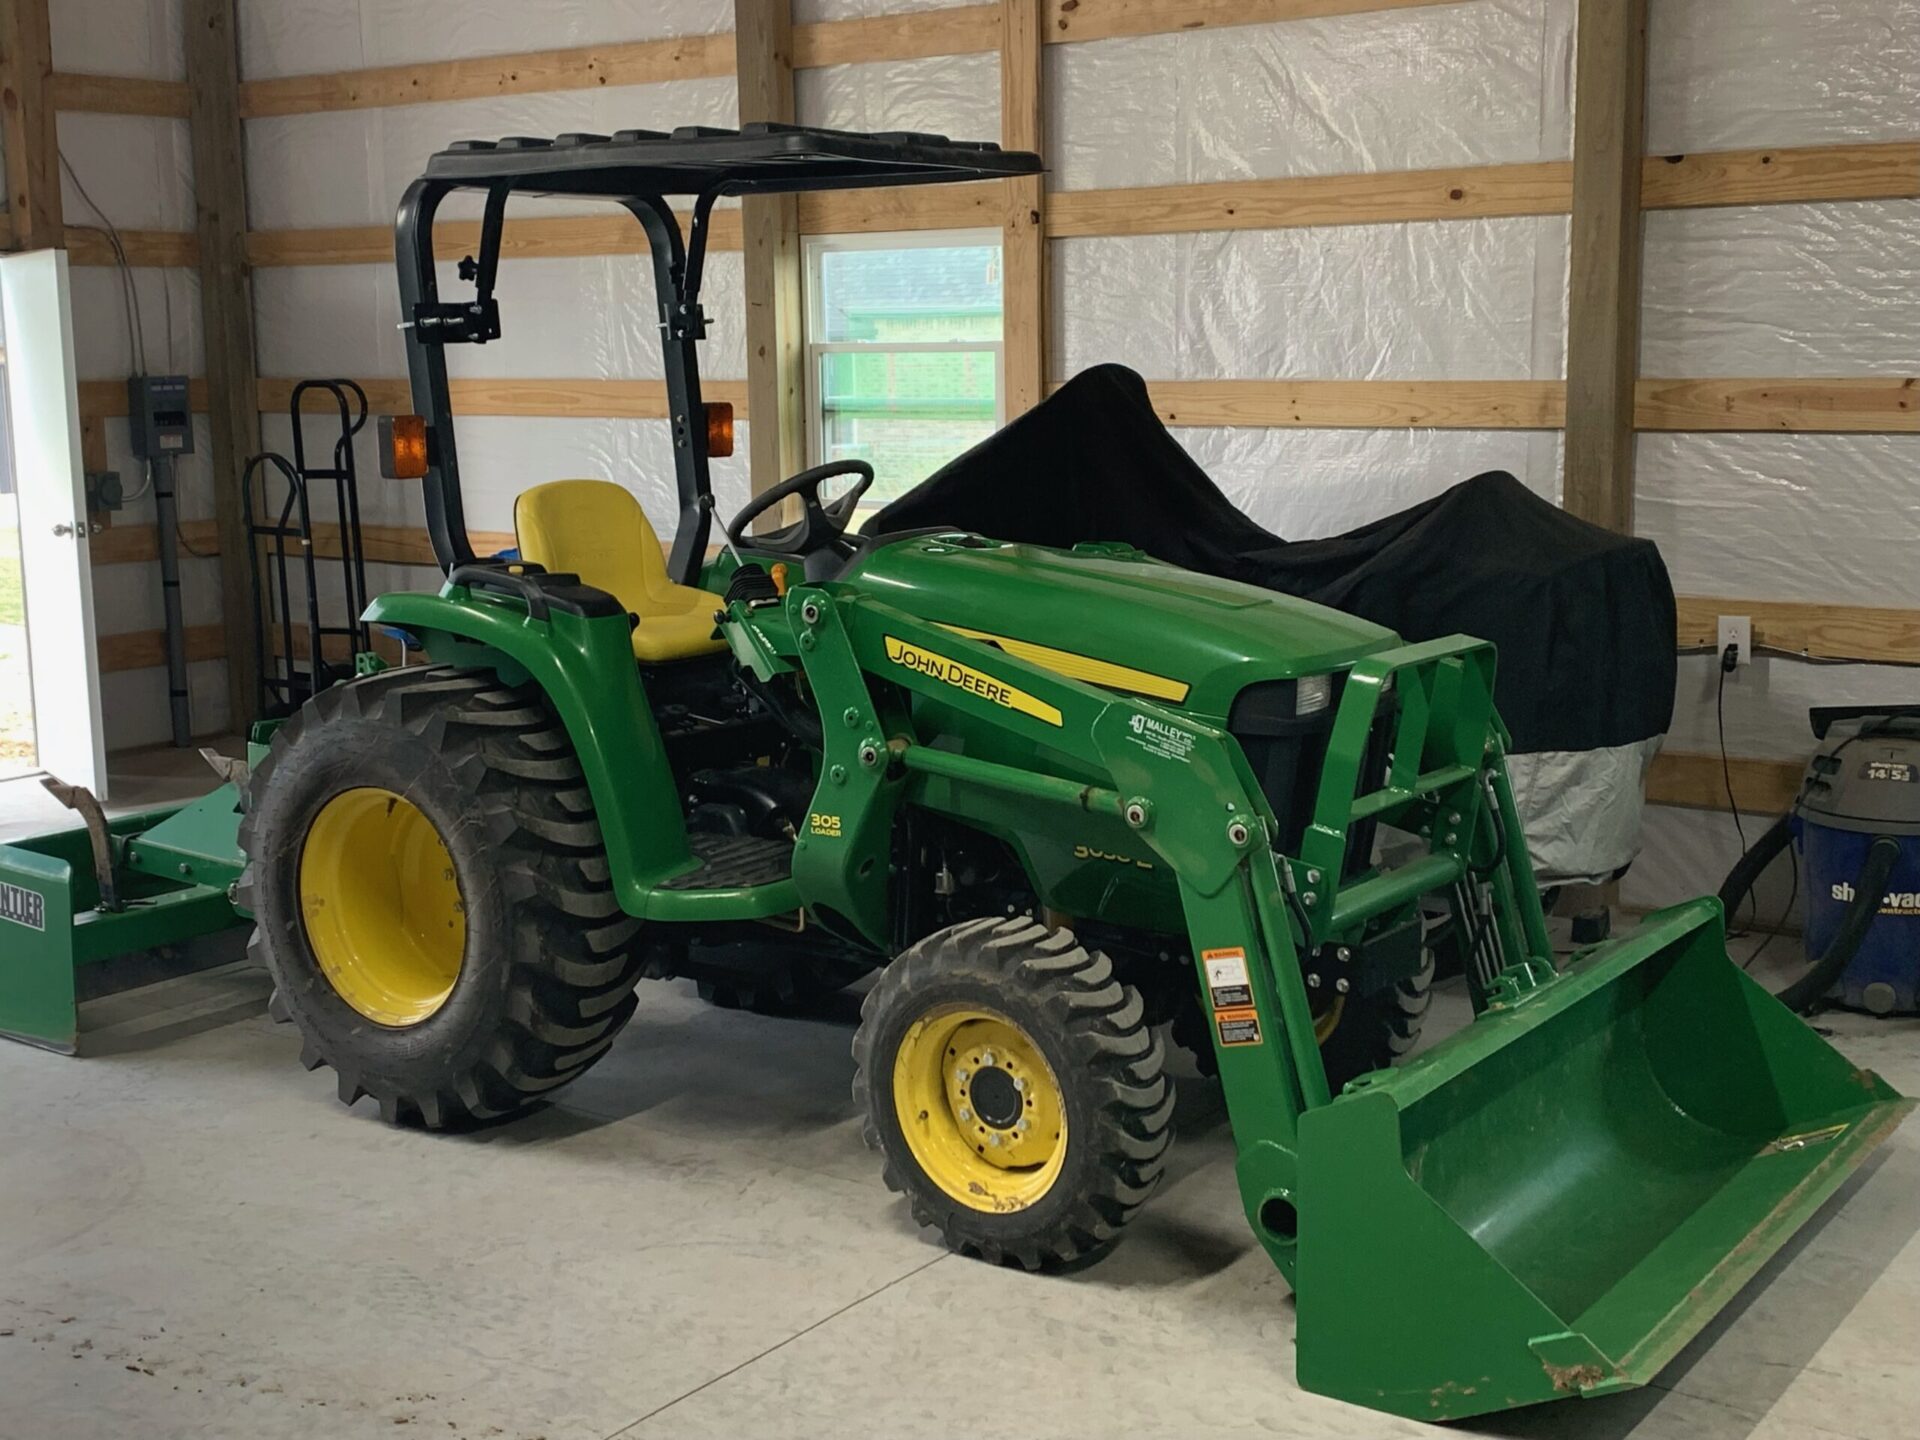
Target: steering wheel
[{"x": 820, "y": 528}]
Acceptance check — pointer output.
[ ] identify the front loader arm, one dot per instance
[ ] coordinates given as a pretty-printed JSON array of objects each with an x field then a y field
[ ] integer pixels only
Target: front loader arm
[
  {"x": 1181, "y": 784},
  {"x": 1185, "y": 788}
]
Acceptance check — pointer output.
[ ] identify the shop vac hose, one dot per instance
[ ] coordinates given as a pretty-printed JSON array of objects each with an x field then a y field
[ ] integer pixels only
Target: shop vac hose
[{"x": 1868, "y": 886}]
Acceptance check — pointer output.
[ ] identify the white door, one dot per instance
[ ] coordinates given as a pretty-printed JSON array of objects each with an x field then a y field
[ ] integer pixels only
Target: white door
[{"x": 43, "y": 420}]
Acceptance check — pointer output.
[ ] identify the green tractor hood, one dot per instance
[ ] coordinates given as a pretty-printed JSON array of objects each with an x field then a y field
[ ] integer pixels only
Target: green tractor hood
[{"x": 1113, "y": 616}]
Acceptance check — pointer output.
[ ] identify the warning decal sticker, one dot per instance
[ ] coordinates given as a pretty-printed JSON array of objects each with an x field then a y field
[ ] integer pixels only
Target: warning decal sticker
[
  {"x": 1238, "y": 1027},
  {"x": 1227, "y": 982}
]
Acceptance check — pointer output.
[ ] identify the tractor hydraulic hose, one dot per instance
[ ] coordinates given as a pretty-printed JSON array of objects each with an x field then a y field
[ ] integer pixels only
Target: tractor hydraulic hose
[{"x": 1868, "y": 887}]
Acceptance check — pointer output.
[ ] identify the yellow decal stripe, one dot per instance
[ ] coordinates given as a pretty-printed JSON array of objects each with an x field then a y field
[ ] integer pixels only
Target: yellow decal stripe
[
  {"x": 1083, "y": 667},
  {"x": 974, "y": 682}
]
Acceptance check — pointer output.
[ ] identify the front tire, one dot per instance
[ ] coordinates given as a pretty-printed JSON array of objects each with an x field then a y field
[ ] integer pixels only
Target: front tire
[
  {"x": 431, "y": 895},
  {"x": 1015, "y": 1091}
]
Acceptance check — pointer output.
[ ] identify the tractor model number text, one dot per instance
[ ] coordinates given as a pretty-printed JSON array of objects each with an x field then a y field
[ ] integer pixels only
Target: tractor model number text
[
  {"x": 827, "y": 825},
  {"x": 1087, "y": 852}
]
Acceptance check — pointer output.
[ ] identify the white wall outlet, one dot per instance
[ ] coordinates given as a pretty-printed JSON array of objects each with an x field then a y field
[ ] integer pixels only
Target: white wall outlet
[{"x": 1737, "y": 631}]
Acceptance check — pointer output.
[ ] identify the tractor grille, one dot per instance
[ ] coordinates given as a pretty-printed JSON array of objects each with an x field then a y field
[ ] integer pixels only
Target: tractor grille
[{"x": 1288, "y": 751}]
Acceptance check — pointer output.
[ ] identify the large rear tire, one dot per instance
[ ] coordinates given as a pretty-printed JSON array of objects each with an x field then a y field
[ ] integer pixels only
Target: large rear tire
[
  {"x": 431, "y": 896},
  {"x": 1015, "y": 1090}
]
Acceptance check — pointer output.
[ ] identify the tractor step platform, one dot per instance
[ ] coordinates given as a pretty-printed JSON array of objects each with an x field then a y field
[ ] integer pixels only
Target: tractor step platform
[{"x": 729, "y": 862}]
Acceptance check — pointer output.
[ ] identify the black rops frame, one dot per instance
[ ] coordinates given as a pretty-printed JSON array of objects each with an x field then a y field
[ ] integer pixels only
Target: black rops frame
[{"x": 637, "y": 170}]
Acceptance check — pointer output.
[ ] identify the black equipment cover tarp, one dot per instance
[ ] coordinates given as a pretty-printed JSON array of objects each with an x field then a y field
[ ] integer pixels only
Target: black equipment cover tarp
[{"x": 1583, "y": 618}]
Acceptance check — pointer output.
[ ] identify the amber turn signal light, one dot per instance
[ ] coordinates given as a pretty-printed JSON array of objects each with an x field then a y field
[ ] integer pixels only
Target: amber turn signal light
[
  {"x": 403, "y": 447},
  {"x": 719, "y": 429}
]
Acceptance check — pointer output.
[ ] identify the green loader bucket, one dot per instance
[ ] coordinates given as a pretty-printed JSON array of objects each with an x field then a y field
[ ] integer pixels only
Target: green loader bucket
[{"x": 1555, "y": 1200}]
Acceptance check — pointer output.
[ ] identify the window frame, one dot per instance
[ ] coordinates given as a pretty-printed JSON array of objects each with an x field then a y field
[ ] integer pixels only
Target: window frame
[{"x": 813, "y": 318}]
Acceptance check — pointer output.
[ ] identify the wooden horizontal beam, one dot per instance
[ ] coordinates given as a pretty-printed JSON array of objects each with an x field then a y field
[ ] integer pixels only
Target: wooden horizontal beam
[
  {"x": 147, "y": 649},
  {"x": 120, "y": 95},
  {"x": 1834, "y": 406},
  {"x": 87, "y": 245},
  {"x": 1740, "y": 177},
  {"x": 914, "y": 35},
  {"x": 981, "y": 204},
  {"x": 1361, "y": 404},
  {"x": 584, "y": 399},
  {"x": 640, "y": 62},
  {"x": 1820, "y": 632},
  {"x": 953, "y": 30},
  {"x": 530, "y": 238},
  {"x": 1465, "y": 193},
  {"x": 1763, "y": 787},
  {"x": 1842, "y": 407},
  {"x": 379, "y": 544},
  {"x": 132, "y": 544},
  {"x": 1782, "y": 175},
  {"x": 1068, "y": 21}
]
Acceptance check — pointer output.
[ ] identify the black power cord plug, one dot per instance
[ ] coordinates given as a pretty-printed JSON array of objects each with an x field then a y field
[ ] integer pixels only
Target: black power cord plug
[{"x": 1729, "y": 662}]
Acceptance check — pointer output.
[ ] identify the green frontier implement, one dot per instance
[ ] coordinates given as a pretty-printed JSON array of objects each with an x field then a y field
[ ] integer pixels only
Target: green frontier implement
[
  {"x": 1055, "y": 798},
  {"x": 76, "y": 898}
]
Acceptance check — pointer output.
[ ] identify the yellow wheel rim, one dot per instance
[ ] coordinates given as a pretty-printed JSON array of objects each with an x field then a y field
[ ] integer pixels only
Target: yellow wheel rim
[
  {"x": 980, "y": 1109},
  {"x": 382, "y": 906}
]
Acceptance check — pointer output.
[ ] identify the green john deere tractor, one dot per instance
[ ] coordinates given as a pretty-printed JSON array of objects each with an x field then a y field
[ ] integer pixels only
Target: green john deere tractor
[{"x": 1056, "y": 799}]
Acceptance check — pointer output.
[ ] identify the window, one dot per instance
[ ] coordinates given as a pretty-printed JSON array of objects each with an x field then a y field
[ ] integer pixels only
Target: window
[{"x": 903, "y": 351}]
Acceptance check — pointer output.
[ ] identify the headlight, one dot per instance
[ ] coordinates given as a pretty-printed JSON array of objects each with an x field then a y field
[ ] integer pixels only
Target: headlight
[{"x": 1311, "y": 694}]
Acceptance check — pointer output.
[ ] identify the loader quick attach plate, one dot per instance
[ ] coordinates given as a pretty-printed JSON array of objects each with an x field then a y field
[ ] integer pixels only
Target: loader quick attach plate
[{"x": 1555, "y": 1200}]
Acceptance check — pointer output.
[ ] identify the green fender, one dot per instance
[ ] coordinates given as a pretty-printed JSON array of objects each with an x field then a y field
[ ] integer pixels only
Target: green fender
[{"x": 585, "y": 666}]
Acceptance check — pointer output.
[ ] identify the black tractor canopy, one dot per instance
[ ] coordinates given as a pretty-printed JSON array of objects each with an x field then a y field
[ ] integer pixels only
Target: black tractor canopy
[{"x": 639, "y": 170}]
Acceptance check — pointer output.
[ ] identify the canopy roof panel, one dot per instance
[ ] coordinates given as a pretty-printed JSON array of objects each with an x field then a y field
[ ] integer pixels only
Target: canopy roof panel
[{"x": 756, "y": 159}]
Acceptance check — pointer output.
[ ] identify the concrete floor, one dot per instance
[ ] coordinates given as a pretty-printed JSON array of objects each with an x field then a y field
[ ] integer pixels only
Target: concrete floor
[{"x": 197, "y": 1240}]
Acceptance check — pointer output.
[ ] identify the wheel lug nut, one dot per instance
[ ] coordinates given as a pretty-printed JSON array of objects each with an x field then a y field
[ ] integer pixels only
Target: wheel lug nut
[
  {"x": 987, "y": 1059},
  {"x": 1024, "y": 1122},
  {"x": 994, "y": 1138},
  {"x": 1020, "y": 1083},
  {"x": 959, "y": 1077},
  {"x": 966, "y": 1115}
]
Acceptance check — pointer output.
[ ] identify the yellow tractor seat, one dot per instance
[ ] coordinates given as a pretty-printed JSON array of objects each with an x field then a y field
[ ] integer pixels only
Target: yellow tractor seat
[{"x": 597, "y": 530}]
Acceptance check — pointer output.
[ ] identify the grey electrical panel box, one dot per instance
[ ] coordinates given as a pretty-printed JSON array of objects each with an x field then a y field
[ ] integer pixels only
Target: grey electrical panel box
[{"x": 159, "y": 416}]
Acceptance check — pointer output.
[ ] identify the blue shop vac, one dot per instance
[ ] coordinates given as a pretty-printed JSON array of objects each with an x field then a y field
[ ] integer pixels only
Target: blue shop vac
[{"x": 1856, "y": 827}]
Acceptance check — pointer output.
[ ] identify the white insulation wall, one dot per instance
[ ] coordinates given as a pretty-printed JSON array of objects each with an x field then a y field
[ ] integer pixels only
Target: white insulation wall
[
  {"x": 1791, "y": 290},
  {"x": 588, "y": 317},
  {"x": 139, "y": 171},
  {"x": 1815, "y": 290}
]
